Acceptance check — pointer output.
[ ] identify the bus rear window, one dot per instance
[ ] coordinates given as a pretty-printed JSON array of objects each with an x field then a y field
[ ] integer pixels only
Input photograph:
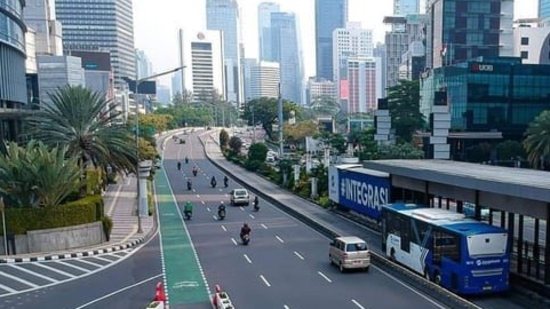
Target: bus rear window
[{"x": 487, "y": 244}]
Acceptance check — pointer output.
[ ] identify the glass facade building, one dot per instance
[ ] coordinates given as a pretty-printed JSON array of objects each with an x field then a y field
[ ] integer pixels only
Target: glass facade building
[
  {"x": 329, "y": 15},
  {"x": 106, "y": 25},
  {"x": 489, "y": 94},
  {"x": 544, "y": 9},
  {"x": 13, "y": 83}
]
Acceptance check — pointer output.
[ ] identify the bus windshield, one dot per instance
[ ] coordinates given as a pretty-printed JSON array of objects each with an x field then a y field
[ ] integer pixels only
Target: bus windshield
[{"x": 487, "y": 245}]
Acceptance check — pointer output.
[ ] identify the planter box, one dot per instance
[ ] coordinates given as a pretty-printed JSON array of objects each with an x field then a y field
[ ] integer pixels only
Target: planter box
[{"x": 156, "y": 305}]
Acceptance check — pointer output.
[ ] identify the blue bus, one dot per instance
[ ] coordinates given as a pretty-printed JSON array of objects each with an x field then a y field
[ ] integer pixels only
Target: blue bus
[{"x": 463, "y": 255}]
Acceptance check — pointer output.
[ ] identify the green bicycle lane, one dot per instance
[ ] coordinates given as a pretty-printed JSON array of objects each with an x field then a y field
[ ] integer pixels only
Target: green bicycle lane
[{"x": 185, "y": 282}]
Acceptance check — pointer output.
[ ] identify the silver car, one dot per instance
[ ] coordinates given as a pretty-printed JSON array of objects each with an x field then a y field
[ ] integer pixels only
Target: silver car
[{"x": 240, "y": 197}]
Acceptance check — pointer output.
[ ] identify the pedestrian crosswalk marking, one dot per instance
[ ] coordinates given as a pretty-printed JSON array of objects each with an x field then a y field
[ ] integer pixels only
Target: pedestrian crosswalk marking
[
  {"x": 77, "y": 267},
  {"x": 7, "y": 289},
  {"x": 104, "y": 259},
  {"x": 33, "y": 273},
  {"x": 90, "y": 263},
  {"x": 25, "y": 282}
]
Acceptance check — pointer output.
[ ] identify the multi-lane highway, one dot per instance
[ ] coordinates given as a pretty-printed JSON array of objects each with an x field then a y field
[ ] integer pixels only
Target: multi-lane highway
[{"x": 285, "y": 266}]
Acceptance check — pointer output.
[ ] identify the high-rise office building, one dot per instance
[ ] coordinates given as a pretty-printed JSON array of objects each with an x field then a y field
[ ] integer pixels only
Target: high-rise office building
[
  {"x": 105, "y": 25},
  {"x": 544, "y": 9},
  {"x": 13, "y": 86},
  {"x": 264, "y": 29},
  {"x": 406, "y": 7},
  {"x": 47, "y": 31},
  {"x": 223, "y": 15},
  {"x": 264, "y": 80},
  {"x": 364, "y": 84},
  {"x": 464, "y": 29},
  {"x": 144, "y": 66},
  {"x": 329, "y": 15},
  {"x": 203, "y": 57},
  {"x": 286, "y": 49},
  {"x": 248, "y": 64},
  {"x": 348, "y": 42}
]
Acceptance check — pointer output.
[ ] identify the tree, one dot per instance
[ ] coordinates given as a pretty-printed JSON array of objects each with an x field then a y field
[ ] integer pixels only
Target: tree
[
  {"x": 156, "y": 122},
  {"x": 257, "y": 152},
  {"x": 510, "y": 150},
  {"x": 297, "y": 133},
  {"x": 265, "y": 111},
  {"x": 224, "y": 139},
  {"x": 35, "y": 175},
  {"x": 404, "y": 107},
  {"x": 335, "y": 141},
  {"x": 183, "y": 99},
  {"x": 537, "y": 140},
  {"x": 324, "y": 105},
  {"x": 399, "y": 151},
  {"x": 87, "y": 124},
  {"x": 364, "y": 141},
  {"x": 235, "y": 144}
]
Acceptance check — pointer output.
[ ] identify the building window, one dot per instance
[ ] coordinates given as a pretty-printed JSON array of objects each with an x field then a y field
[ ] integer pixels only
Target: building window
[
  {"x": 524, "y": 41},
  {"x": 524, "y": 54}
]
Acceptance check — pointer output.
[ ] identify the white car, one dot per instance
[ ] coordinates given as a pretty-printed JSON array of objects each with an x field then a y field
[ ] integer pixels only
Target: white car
[{"x": 239, "y": 197}]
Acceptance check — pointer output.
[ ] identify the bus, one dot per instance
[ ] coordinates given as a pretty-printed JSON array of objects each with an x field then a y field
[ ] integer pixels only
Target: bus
[{"x": 463, "y": 255}]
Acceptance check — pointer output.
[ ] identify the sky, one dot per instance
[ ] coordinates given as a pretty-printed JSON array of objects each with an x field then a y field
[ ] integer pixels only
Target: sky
[{"x": 156, "y": 23}]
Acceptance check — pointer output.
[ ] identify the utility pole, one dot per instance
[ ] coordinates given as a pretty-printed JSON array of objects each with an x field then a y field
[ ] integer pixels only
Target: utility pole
[{"x": 281, "y": 124}]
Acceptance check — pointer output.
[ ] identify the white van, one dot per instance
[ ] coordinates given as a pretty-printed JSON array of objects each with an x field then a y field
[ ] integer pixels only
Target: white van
[{"x": 349, "y": 252}]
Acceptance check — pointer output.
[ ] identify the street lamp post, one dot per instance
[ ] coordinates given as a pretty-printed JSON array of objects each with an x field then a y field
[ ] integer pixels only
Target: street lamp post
[{"x": 136, "y": 91}]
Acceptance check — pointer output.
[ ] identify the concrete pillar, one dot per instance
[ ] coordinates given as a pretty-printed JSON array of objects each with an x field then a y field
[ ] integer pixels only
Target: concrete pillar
[{"x": 144, "y": 173}]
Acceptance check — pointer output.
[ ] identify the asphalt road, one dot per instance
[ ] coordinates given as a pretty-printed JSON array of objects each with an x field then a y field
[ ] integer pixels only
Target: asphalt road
[
  {"x": 286, "y": 264},
  {"x": 129, "y": 284}
]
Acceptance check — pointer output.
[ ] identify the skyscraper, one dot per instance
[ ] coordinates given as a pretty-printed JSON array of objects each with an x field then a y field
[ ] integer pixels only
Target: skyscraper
[
  {"x": 100, "y": 25},
  {"x": 347, "y": 42},
  {"x": 544, "y": 9},
  {"x": 13, "y": 86},
  {"x": 329, "y": 15},
  {"x": 264, "y": 29},
  {"x": 223, "y": 15},
  {"x": 38, "y": 16},
  {"x": 469, "y": 29},
  {"x": 405, "y": 7},
  {"x": 286, "y": 49},
  {"x": 264, "y": 79},
  {"x": 144, "y": 66}
]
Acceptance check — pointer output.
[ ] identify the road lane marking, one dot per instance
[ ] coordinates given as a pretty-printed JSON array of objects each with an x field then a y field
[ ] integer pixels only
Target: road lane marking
[
  {"x": 25, "y": 282},
  {"x": 118, "y": 292},
  {"x": 208, "y": 209},
  {"x": 324, "y": 276},
  {"x": 223, "y": 228},
  {"x": 357, "y": 304},
  {"x": 221, "y": 190},
  {"x": 286, "y": 307},
  {"x": 226, "y": 195},
  {"x": 264, "y": 226},
  {"x": 247, "y": 258},
  {"x": 234, "y": 241},
  {"x": 265, "y": 280},
  {"x": 103, "y": 259},
  {"x": 215, "y": 217},
  {"x": 7, "y": 288},
  {"x": 251, "y": 216},
  {"x": 55, "y": 270},
  {"x": 299, "y": 255},
  {"x": 203, "y": 202},
  {"x": 280, "y": 239},
  {"x": 198, "y": 196},
  {"x": 242, "y": 208},
  {"x": 32, "y": 273}
]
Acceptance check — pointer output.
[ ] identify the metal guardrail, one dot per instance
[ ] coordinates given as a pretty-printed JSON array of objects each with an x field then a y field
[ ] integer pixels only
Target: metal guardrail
[{"x": 436, "y": 292}]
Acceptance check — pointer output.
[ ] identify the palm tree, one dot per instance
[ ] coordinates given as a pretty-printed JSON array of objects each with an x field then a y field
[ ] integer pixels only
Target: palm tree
[
  {"x": 537, "y": 141},
  {"x": 86, "y": 123},
  {"x": 37, "y": 175}
]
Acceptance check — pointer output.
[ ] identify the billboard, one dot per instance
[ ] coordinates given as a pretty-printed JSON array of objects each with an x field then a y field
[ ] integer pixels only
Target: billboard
[
  {"x": 334, "y": 180},
  {"x": 363, "y": 190}
]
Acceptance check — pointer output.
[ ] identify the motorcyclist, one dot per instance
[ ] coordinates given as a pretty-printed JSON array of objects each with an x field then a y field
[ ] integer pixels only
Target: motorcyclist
[
  {"x": 188, "y": 209},
  {"x": 245, "y": 230},
  {"x": 186, "y": 160},
  {"x": 221, "y": 208},
  {"x": 189, "y": 184},
  {"x": 195, "y": 170},
  {"x": 256, "y": 203},
  {"x": 225, "y": 181},
  {"x": 213, "y": 181},
  {"x": 179, "y": 166}
]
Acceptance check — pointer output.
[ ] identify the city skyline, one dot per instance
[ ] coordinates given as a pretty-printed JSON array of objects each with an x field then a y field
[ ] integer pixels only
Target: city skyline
[{"x": 161, "y": 46}]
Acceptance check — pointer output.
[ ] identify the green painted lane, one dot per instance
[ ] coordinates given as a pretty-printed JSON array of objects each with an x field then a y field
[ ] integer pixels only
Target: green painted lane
[{"x": 184, "y": 279}]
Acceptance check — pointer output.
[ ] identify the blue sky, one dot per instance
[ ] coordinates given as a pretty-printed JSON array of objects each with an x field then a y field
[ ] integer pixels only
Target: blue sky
[{"x": 157, "y": 21}]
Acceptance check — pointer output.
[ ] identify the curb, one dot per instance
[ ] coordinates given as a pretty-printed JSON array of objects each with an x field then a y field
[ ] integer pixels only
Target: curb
[{"x": 67, "y": 256}]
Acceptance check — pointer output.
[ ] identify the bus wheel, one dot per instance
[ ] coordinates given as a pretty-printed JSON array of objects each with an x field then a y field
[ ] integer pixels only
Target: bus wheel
[{"x": 437, "y": 278}]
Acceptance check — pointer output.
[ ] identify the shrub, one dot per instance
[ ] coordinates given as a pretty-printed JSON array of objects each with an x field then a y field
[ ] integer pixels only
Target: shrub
[
  {"x": 107, "y": 226},
  {"x": 83, "y": 211},
  {"x": 324, "y": 201},
  {"x": 258, "y": 152},
  {"x": 112, "y": 178},
  {"x": 94, "y": 181},
  {"x": 224, "y": 139},
  {"x": 253, "y": 165},
  {"x": 150, "y": 198}
]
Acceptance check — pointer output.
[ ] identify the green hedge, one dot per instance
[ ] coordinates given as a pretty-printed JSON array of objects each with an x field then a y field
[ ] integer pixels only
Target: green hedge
[
  {"x": 86, "y": 210},
  {"x": 150, "y": 198}
]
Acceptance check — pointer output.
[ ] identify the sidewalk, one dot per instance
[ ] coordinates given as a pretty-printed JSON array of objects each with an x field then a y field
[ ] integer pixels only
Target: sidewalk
[{"x": 120, "y": 203}]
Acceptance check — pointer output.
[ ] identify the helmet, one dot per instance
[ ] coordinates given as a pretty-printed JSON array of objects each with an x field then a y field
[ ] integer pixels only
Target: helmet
[
  {"x": 221, "y": 202},
  {"x": 245, "y": 225}
]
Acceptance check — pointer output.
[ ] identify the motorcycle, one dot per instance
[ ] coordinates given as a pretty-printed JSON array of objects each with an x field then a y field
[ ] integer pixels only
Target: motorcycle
[
  {"x": 221, "y": 214},
  {"x": 189, "y": 186},
  {"x": 213, "y": 183},
  {"x": 186, "y": 160},
  {"x": 188, "y": 215},
  {"x": 226, "y": 183},
  {"x": 256, "y": 206},
  {"x": 245, "y": 239},
  {"x": 179, "y": 166},
  {"x": 195, "y": 173}
]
